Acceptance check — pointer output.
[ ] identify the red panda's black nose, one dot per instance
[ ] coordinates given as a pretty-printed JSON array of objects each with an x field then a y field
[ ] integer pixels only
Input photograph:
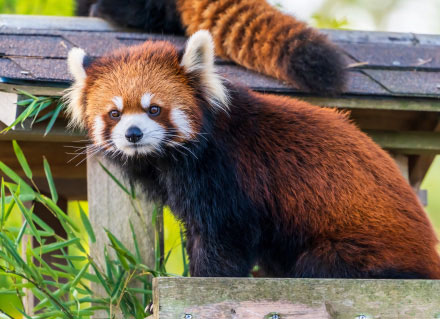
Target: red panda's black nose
[{"x": 133, "y": 134}]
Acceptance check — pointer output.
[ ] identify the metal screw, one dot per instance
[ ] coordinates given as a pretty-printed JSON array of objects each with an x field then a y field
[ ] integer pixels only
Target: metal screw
[
  {"x": 275, "y": 316},
  {"x": 188, "y": 316},
  {"x": 361, "y": 317}
]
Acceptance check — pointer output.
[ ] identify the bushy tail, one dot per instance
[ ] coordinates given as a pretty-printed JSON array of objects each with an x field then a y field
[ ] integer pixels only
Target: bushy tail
[{"x": 258, "y": 36}]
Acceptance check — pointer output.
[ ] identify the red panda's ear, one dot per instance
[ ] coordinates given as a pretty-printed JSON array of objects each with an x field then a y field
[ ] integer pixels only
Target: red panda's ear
[
  {"x": 198, "y": 59},
  {"x": 76, "y": 62}
]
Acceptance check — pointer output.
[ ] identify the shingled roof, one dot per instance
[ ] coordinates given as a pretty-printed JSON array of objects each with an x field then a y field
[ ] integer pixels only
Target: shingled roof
[{"x": 380, "y": 64}]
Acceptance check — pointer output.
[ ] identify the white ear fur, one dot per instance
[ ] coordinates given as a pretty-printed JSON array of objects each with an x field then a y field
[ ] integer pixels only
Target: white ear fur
[
  {"x": 72, "y": 96},
  {"x": 199, "y": 57}
]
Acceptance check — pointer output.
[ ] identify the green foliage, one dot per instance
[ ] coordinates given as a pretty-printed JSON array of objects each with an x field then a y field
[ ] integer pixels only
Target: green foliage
[
  {"x": 34, "y": 111},
  {"x": 39, "y": 7},
  {"x": 63, "y": 288}
]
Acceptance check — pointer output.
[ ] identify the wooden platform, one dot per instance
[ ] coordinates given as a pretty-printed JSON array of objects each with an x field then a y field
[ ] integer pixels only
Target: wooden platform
[{"x": 252, "y": 298}]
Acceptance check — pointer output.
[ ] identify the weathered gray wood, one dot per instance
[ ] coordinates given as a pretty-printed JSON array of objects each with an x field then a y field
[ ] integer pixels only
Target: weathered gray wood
[
  {"x": 251, "y": 298},
  {"x": 110, "y": 208},
  {"x": 408, "y": 142}
]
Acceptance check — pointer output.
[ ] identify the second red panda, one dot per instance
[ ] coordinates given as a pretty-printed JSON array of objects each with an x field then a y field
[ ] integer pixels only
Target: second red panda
[{"x": 256, "y": 178}]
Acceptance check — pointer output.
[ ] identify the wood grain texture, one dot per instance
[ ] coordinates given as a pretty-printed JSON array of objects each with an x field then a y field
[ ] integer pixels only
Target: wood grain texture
[
  {"x": 110, "y": 208},
  {"x": 251, "y": 298}
]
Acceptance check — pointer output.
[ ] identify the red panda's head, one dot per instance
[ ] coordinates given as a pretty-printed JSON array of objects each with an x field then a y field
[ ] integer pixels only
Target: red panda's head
[{"x": 141, "y": 99}]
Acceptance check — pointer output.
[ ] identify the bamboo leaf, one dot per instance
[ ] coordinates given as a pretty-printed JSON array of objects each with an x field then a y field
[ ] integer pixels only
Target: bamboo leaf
[
  {"x": 135, "y": 242},
  {"x": 21, "y": 233},
  {"x": 17, "y": 179},
  {"x": 86, "y": 223},
  {"x": 80, "y": 275},
  {"x": 48, "y": 172},
  {"x": 3, "y": 205},
  {"x": 54, "y": 117},
  {"x": 58, "y": 211},
  {"x": 121, "y": 186},
  {"x": 25, "y": 102},
  {"x": 22, "y": 159},
  {"x": 35, "y": 114},
  {"x": 55, "y": 246},
  {"x": 33, "y": 97},
  {"x": 31, "y": 108},
  {"x": 101, "y": 278},
  {"x": 27, "y": 215},
  {"x": 45, "y": 116}
]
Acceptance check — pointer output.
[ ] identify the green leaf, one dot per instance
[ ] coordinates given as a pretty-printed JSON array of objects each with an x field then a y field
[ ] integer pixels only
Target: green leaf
[
  {"x": 25, "y": 102},
  {"x": 117, "y": 289},
  {"x": 58, "y": 109},
  {"x": 42, "y": 224},
  {"x": 33, "y": 97},
  {"x": 86, "y": 223},
  {"x": 42, "y": 106},
  {"x": 3, "y": 205},
  {"x": 58, "y": 211},
  {"x": 80, "y": 275},
  {"x": 31, "y": 108},
  {"x": 48, "y": 172},
  {"x": 27, "y": 215},
  {"x": 17, "y": 179},
  {"x": 135, "y": 242},
  {"x": 121, "y": 186},
  {"x": 21, "y": 233},
  {"x": 55, "y": 246},
  {"x": 45, "y": 116},
  {"x": 101, "y": 278},
  {"x": 19, "y": 119},
  {"x": 72, "y": 258},
  {"x": 22, "y": 159}
]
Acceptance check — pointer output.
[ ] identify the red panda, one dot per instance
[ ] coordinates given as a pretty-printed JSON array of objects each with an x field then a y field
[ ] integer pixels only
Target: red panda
[
  {"x": 251, "y": 33},
  {"x": 255, "y": 178}
]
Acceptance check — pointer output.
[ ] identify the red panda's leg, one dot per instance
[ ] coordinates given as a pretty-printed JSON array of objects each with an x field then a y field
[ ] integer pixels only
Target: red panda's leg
[
  {"x": 218, "y": 257},
  {"x": 326, "y": 261}
]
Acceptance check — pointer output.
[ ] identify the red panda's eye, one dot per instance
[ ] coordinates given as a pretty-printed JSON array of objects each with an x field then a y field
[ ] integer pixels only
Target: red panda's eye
[
  {"x": 154, "y": 110},
  {"x": 115, "y": 114}
]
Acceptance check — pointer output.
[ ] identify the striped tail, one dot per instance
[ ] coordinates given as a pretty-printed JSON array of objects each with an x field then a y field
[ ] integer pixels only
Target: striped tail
[{"x": 258, "y": 36}]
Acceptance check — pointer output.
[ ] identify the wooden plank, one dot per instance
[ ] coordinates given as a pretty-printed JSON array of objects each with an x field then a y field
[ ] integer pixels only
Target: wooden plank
[
  {"x": 379, "y": 103},
  {"x": 251, "y": 298},
  {"x": 408, "y": 142},
  {"x": 110, "y": 208}
]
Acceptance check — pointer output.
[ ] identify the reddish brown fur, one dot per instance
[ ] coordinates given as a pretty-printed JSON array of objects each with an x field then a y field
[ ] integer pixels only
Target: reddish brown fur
[
  {"x": 319, "y": 185},
  {"x": 258, "y": 36},
  {"x": 125, "y": 73},
  {"x": 335, "y": 184}
]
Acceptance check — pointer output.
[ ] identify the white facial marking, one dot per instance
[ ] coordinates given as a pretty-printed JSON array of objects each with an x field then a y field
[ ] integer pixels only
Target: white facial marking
[
  {"x": 146, "y": 100},
  {"x": 153, "y": 134},
  {"x": 117, "y": 100},
  {"x": 98, "y": 130},
  {"x": 182, "y": 123}
]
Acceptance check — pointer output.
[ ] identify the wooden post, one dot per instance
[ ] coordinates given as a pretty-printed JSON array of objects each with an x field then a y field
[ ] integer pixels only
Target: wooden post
[
  {"x": 258, "y": 298},
  {"x": 110, "y": 208}
]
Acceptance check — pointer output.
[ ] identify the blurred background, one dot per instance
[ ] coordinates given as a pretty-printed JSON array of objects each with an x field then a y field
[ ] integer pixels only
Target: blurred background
[{"x": 421, "y": 16}]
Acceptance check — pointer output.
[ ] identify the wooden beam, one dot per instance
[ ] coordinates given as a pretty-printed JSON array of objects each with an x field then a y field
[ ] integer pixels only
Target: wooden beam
[
  {"x": 412, "y": 142},
  {"x": 252, "y": 298},
  {"x": 110, "y": 208}
]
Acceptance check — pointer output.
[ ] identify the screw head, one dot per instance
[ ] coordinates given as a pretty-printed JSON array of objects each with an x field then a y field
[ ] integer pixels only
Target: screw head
[
  {"x": 188, "y": 316},
  {"x": 361, "y": 317},
  {"x": 275, "y": 316}
]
